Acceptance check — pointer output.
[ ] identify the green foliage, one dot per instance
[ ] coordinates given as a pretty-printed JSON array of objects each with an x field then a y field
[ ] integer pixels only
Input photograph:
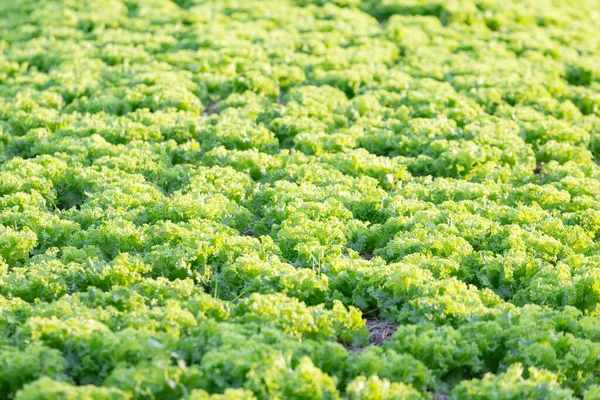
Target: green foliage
[
  {"x": 512, "y": 385},
  {"x": 21, "y": 366},
  {"x": 48, "y": 389},
  {"x": 213, "y": 199},
  {"x": 374, "y": 388}
]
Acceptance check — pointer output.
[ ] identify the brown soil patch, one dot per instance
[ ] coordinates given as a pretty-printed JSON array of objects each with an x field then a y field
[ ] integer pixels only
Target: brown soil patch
[{"x": 380, "y": 331}]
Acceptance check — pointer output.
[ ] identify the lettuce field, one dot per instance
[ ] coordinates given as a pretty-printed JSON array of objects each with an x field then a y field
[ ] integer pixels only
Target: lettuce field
[{"x": 299, "y": 199}]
